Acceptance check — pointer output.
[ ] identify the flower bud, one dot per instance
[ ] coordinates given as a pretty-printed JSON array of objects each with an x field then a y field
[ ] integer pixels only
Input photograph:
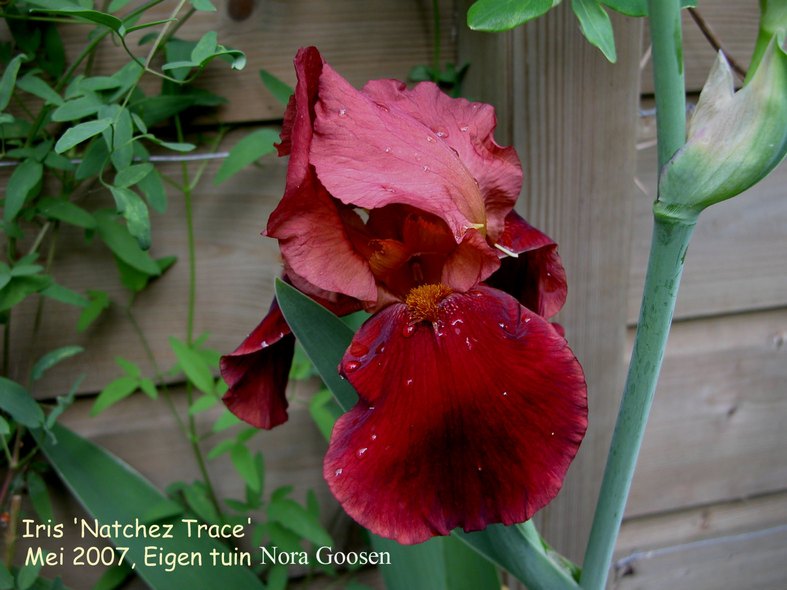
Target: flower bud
[{"x": 734, "y": 138}]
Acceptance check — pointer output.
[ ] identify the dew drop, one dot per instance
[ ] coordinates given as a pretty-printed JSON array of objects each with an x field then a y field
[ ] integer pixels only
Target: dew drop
[
  {"x": 338, "y": 472},
  {"x": 351, "y": 366},
  {"x": 468, "y": 343},
  {"x": 527, "y": 320},
  {"x": 342, "y": 112},
  {"x": 503, "y": 325},
  {"x": 387, "y": 150},
  {"x": 374, "y": 437},
  {"x": 430, "y": 139},
  {"x": 264, "y": 344},
  {"x": 457, "y": 321},
  {"x": 382, "y": 107},
  {"x": 361, "y": 452},
  {"x": 457, "y": 331},
  {"x": 552, "y": 434},
  {"x": 480, "y": 468},
  {"x": 371, "y": 408},
  {"x": 505, "y": 393},
  {"x": 408, "y": 330},
  {"x": 409, "y": 382},
  {"x": 380, "y": 349},
  {"x": 358, "y": 349},
  {"x": 464, "y": 129},
  {"x": 441, "y": 133},
  {"x": 426, "y": 168}
]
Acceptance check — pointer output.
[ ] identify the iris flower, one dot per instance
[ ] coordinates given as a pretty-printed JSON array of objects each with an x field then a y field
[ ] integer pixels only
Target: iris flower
[{"x": 471, "y": 405}]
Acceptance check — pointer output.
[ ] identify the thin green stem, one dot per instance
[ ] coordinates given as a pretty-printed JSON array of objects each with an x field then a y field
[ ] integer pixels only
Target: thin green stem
[
  {"x": 668, "y": 79},
  {"x": 7, "y": 345},
  {"x": 668, "y": 248},
  {"x": 671, "y": 234},
  {"x": 186, "y": 189},
  {"x": 159, "y": 374},
  {"x": 152, "y": 53},
  {"x": 192, "y": 249}
]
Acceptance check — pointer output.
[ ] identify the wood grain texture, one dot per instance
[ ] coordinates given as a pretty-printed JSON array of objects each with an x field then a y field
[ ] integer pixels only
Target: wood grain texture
[
  {"x": 734, "y": 23},
  {"x": 572, "y": 117},
  {"x": 362, "y": 40},
  {"x": 755, "y": 561},
  {"x": 736, "y": 260},
  {"x": 716, "y": 431},
  {"x": 235, "y": 272},
  {"x": 706, "y": 522}
]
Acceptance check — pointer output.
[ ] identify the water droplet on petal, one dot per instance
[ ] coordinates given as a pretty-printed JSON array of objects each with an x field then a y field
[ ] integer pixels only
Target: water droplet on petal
[
  {"x": 338, "y": 472},
  {"x": 457, "y": 331},
  {"x": 264, "y": 344},
  {"x": 468, "y": 343},
  {"x": 351, "y": 366},
  {"x": 361, "y": 452},
  {"x": 409, "y": 382},
  {"x": 426, "y": 168},
  {"x": 374, "y": 437},
  {"x": 408, "y": 330},
  {"x": 430, "y": 139},
  {"x": 457, "y": 321},
  {"x": 380, "y": 349},
  {"x": 358, "y": 349},
  {"x": 480, "y": 468},
  {"x": 441, "y": 133},
  {"x": 342, "y": 112},
  {"x": 371, "y": 408},
  {"x": 505, "y": 393},
  {"x": 387, "y": 150},
  {"x": 464, "y": 129}
]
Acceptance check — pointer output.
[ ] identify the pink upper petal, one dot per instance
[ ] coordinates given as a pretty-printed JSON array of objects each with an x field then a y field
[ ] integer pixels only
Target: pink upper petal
[
  {"x": 371, "y": 155},
  {"x": 468, "y": 128},
  {"x": 257, "y": 371},
  {"x": 308, "y": 221},
  {"x": 536, "y": 277},
  {"x": 470, "y": 420}
]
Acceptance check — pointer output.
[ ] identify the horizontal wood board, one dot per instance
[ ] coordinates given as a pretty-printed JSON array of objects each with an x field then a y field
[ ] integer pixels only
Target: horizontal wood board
[
  {"x": 362, "y": 40},
  {"x": 754, "y": 561},
  {"x": 716, "y": 431},
  {"x": 680, "y": 527}
]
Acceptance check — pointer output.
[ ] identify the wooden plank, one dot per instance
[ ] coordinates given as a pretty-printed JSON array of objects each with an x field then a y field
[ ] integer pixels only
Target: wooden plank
[
  {"x": 235, "y": 272},
  {"x": 695, "y": 524},
  {"x": 734, "y": 22},
  {"x": 572, "y": 117},
  {"x": 362, "y": 40},
  {"x": 716, "y": 431},
  {"x": 755, "y": 561},
  {"x": 736, "y": 260}
]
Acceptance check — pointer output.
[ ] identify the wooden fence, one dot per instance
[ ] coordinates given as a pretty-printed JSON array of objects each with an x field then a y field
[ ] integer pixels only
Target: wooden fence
[{"x": 708, "y": 506}]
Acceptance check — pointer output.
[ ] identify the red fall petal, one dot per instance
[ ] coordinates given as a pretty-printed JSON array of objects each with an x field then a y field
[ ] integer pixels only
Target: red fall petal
[
  {"x": 468, "y": 420},
  {"x": 257, "y": 372},
  {"x": 536, "y": 277}
]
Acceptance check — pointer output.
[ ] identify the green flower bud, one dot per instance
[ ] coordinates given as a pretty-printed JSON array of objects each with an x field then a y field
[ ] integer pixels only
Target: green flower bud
[{"x": 734, "y": 139}]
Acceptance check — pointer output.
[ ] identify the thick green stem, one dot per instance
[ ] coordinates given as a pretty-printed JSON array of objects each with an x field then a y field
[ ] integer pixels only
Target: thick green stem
[
  {"x": 671, "y": 234},
  {"x": 668, "y": 79},
  {"x": 668, "y": 249}
]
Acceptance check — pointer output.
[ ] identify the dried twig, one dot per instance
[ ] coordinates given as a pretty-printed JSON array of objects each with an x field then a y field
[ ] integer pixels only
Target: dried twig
[{"x": 714, "y": 41}]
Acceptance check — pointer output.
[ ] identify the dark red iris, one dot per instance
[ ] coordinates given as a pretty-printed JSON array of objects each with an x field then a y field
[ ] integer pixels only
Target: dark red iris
[{"x": 471, "y": 405}]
